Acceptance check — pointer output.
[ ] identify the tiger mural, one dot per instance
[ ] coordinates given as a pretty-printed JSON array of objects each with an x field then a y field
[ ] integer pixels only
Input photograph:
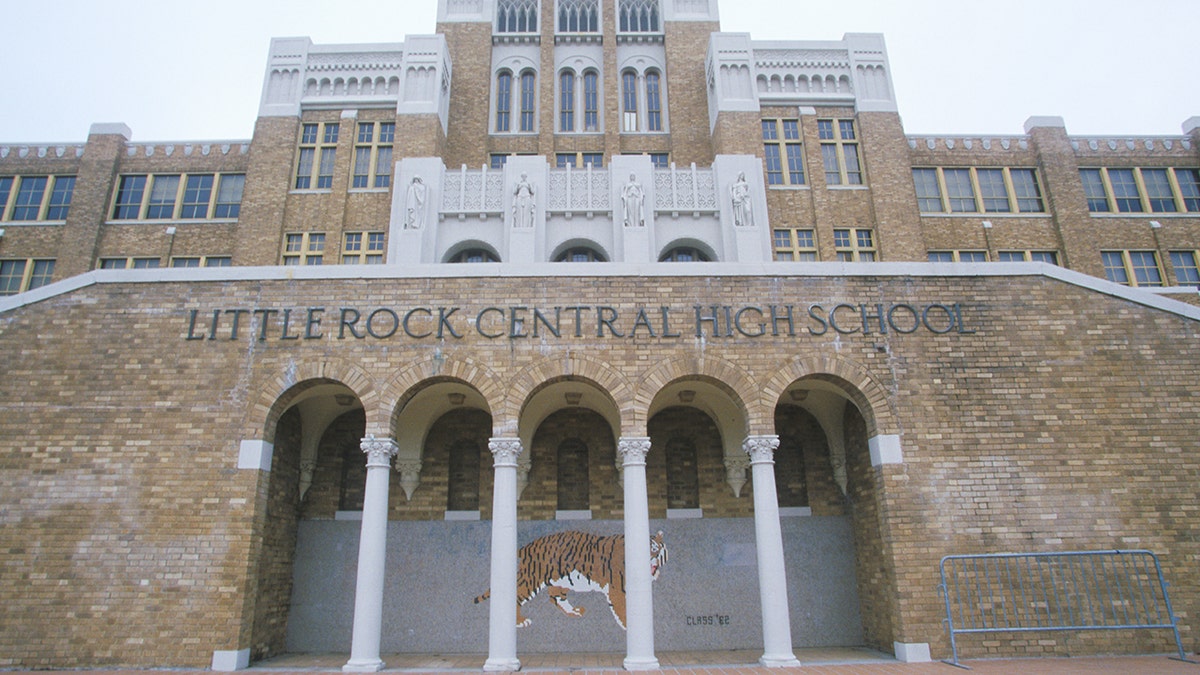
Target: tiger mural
[{"x": 577, "y": 561}]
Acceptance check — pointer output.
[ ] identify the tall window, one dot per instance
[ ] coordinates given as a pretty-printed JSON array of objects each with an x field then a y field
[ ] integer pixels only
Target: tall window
[
  {"x": 373, "y": 154},
  {"x": 781, "y": 146},
  {"x": 362, "y": 248},
  {"x": 591, "y": 101},
  {"x": 516, "y": 16},
  {"x": 654, "y": 117},
  {"x": 566, "y": 97},
  {"x": 629, "y": 101},
  {"x": 578, "y": 16},
  {"x": 318, "y": 150},
  {"x": 179, "y": 197},
  {"x": 1141, "y": 190},
  {"x": 978, "y": 190},
  {"x": 839, "y": 152},
  {"x": 35, "y": 197},
  {"x": 503, "y": 101},
  {"x": 638, "y": 16},
  {"x": 528, "y": 99}
]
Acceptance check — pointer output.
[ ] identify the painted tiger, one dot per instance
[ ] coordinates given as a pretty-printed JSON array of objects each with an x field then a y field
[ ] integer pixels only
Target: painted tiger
[{"x": 578, "y": 561}]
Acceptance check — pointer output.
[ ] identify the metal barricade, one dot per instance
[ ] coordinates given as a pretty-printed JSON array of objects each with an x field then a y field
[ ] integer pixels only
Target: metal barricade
[{"x": 1080, "y": 590}]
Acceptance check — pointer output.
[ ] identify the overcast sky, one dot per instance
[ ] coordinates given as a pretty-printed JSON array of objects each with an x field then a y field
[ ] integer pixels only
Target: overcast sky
[{"x": 175, "y": 70}]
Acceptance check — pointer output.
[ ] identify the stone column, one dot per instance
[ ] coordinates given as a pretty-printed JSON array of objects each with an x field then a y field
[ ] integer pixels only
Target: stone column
[
  {"x": 639, "y": 607},
  {"x": 768, "y": 539},
  {"x": 502, "y": 617},
  {"x": 372, "y": 554}
]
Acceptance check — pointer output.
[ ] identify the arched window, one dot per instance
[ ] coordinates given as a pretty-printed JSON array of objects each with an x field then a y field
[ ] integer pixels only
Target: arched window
[
  {"x": 639, "y": 16},
  {"x": 566, "y": 98},
  {"x": 474, "y": 255},
  {"x": 578, "y": 16},
  {"x": 504, "y": 101},
  {"x": 528, "y": 98},
  {"x": 629, "y": 101},
  {"x": 654, "y": 118},
  {"x": 684, "y": 254},
  {"x": 516, "y": 16},
  {"x": 591, "y": 101},
  {"x": 580, "y": 254}
]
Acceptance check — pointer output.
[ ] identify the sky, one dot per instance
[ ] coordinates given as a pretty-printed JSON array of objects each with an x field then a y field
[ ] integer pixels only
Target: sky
[{"x": 176, "y": 71}]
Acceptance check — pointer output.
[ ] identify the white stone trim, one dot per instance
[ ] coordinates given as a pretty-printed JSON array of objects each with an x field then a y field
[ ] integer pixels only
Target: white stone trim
[
  {"x": 682, "y": 514},
  {"x": 573, "y": 514},
  {"x": 772, "y": 269},
  {"x": 255, "y": 454},
  {"x": 885, "y": 449},
  {"x": 912, "y": 652},
  {"x": 225, "y": 660}
]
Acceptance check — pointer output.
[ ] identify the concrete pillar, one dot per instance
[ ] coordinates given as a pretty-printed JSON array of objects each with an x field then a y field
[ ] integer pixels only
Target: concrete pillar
[
  {"x": 768, "y": 539},
  {"x": 639, "y": 607},
  {"x": 502, "y": 619},
  {"x": 372, "y": 555}
]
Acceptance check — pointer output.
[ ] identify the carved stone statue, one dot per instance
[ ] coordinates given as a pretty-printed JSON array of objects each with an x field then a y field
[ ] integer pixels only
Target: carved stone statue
[
  {"x": 414, "y": 205},
  {"x": 739, "y": 194},
  {"x": 524, "y": 205},
  {"x": 633, "y": 199}
]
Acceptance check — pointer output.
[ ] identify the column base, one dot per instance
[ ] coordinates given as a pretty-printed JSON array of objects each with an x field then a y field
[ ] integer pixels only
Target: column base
[
  {"x": 779, "y": 661},
  {"x": 501, "y": 665},
  {"x": 363, "y": 666},
  {"x": 641, "y": 664}
]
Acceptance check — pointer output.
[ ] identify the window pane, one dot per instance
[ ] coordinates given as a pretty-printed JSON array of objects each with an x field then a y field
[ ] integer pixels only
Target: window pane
[
  {"x": 795, "y": 160},
  {"x": 503, "y": 101},
  {"x": 972, "y": 256},
  {"x": 1189, "y": 188},
  {"x": 1145, "y": 268},
  {"x": 196, "y": 194},
  {"x": 1186, "y": 272},
  {"x": 783, "y": 238},
  {"x": 591, "y": 102},
  {"x": 1026, "y": 190},
  {"x": 774, "y": 164},
  {"x": 1158, "y": 190},
  {"x": 993, "y": 191},
  {"x": 325, "y": 171},
  {"x": 162, "y": 197},
  {"x": 829, "y": 157},
  {"x": 218, "y": 261},
  {"x": 527, "y": 101},
  {"x": 853, "y": 170},
  {"x": 185, "y": 262},
  {"x": 1044, "y": 256},
  {"x": 383, "y": 167},
  {"x": 865, "y": 239},
  {"x": 1011, "y": 256},
  {"x": 129, "y": 197},
  {"x": 929, "y": 195},
  {"x": 375, "y": 241},
  {"x": 846, "y": 128},
  {"x": 309, "y": 133},
  {"x": 653, "y": 103},
  {"x": 941, "y": 256},
  {"x": 1093, "y": 189},
  {"x": 12, "y": 274},
  {"x": 43, "y": 270},
  {"x": 60, "y": 198},
  {"x": 791, "y": 130},
  {"x": 825, "y": 130},
  {"x": 229, "y": 196},
  {"x": 6, "y": 184},
  {"x": 387, "y": 132},
  {"x": 331, "y": 133},
  {"x": 841, "y": 238},
  {"x": 29, "y": 198},
  {"x": 1114, "y": 267},
  {"x": 629, "y": 101},
  {"x": 1125, "y": 190},
  {"x": 959, "y": 190},
  {"x": 366, "y": 132},
  {"x": 145, "y": 263},
  {"x": 353, "y": 241},
  {"x": 566, "y": 117},
  {"x": 113, "y": 263},
  {"x": 362, "y": 168}
]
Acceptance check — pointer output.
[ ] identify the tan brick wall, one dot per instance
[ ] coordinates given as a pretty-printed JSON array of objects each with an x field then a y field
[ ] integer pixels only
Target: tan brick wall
[{"x": 1065, "y": 422}]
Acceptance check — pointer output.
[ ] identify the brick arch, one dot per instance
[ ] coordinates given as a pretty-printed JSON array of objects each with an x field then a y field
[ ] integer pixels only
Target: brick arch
[
  {"x": 405, "y": 383},
  {"x": 533, "y": 377},
  {"x": 866, "y": 392},
  {"x": 735, "y": 381},
  {"x": 278, "y": 393}
]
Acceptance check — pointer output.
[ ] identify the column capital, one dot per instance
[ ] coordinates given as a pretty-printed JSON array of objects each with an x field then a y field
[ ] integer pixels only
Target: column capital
[
  {"x": 379, "y": 451},
  {"x": 633, "y": 451},
  {"x": 761, "y": 449},
  {"x": 505, "y": 451}
]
